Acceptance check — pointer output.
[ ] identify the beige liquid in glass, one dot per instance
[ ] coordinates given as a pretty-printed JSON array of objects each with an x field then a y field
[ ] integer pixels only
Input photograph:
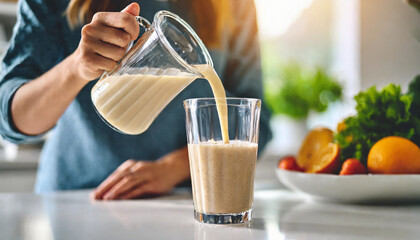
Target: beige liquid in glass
[
  {"x": 222, "y": 172},
  {"x": 222, "y": 176}
]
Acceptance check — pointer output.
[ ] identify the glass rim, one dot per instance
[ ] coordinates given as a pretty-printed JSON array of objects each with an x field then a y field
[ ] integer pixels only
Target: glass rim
[
  {"x": 158, "y": 19},
  {"x": 190, "y": 101}
]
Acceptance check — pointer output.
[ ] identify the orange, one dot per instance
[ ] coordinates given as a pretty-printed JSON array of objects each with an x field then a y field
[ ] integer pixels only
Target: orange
[
  {"x": 325, "y": 160},
  {"x": 316, "y": 139},
  {"x": 394, "y": 155},
  {"x": 318, "y": 153}
]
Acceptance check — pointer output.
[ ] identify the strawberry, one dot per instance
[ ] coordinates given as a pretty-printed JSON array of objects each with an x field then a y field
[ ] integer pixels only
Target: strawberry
[
  {"x": 289, "y": 163},
  {"x": 352, "y": 166}
]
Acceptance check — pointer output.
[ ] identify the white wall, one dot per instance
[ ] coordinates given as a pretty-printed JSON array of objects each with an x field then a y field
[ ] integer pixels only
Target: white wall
[{"x": 390, "y": 42}]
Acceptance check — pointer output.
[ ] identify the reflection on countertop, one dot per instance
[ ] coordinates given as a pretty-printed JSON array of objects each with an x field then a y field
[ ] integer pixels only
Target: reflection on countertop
[{"x": 278, "y": 214}]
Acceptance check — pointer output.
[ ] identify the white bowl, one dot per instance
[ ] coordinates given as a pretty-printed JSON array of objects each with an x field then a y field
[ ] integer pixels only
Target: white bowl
[{"x": 367, "y": 188}]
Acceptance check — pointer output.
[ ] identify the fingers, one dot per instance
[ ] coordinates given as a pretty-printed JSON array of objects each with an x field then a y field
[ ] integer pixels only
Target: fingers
[
  {"x": 113, "y": 179},
  {"x": 126, "y": 184},
  {"x": 95, "y": 63},
  {"x": 107, "y": 36},
  {"x": 144, "y": 189},
  {"x": 133, "y": 179},
  {"x": 109, "y": 51},
  {"x": 122, "y": 20},
  {"x": 110, "y": 35},
  {"x": 133, "y": 9}
]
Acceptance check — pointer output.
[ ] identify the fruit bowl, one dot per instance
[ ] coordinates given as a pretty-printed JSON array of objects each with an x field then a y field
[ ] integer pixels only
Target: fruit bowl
[{"x": 367, "y": 188}]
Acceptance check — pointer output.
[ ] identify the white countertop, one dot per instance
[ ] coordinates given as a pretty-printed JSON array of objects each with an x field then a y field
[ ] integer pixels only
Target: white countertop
[{"x": 278, "y": 214}]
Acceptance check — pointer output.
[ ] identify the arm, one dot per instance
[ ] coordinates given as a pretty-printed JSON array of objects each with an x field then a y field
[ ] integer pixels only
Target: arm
[
  {"x": 38, "y": 105},
  {"x": 33, "y": 97}
]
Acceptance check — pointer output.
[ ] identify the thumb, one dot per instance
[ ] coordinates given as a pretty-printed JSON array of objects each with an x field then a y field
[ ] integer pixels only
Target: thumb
[{"x": 133, "y": 9}]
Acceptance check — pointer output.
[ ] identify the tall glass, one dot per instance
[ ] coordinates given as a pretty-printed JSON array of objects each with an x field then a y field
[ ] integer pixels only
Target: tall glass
[{"x": 222, "y": 174}]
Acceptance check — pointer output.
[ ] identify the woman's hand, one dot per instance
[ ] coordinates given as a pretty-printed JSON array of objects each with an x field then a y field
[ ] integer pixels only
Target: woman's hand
[
  {"x": 138, "y": 178},
  {"x": 104, "y": 41}
]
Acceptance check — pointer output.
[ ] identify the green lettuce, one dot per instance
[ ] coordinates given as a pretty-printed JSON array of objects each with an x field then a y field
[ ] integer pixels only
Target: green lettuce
[
  {"x": 383, "y": 113},
  {"x": 295, "y": 90}
]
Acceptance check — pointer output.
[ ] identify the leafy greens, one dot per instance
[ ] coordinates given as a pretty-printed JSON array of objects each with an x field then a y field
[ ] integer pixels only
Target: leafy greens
[
  {"x": 296, "y": 91},
  {"x": 383, "y": 113}
]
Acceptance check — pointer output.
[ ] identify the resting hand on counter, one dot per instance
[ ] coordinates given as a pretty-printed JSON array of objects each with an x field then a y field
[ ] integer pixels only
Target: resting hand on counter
[{"x": 134, "y": 179}]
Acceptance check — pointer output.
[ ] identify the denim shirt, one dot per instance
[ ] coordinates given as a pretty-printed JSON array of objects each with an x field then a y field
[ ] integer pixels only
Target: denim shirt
[{"x": 81, "y": 150}]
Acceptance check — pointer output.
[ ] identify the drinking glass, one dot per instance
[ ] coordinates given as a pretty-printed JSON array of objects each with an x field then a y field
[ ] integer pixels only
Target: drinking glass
[{"x": 222, "y": 174}]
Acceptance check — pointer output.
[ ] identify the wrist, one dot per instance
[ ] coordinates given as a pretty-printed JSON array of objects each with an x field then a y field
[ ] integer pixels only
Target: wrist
[
  {"x": 71, "y": 72},
  {"x": 177, "y": 166}
]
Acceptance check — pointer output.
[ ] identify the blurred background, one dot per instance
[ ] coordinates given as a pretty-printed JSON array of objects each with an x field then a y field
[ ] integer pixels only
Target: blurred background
[
  {"x": 316, "y": 55},
  {"x": 354, "y": 43}
]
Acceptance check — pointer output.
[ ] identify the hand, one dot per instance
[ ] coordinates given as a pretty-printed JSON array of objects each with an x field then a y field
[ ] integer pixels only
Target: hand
[
  {"x": 138, "y": 178},
  {"x": 104, "y": 41}
]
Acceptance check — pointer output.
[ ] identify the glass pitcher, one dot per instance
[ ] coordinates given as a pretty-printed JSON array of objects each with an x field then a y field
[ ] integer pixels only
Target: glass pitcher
[{"x": 150, "y": 75}]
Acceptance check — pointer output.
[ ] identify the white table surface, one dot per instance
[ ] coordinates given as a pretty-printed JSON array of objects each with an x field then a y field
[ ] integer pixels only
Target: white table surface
[{"x": 278, "y": 214}]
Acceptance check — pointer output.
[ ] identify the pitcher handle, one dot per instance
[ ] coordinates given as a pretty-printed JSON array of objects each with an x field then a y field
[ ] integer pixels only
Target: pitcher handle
[{"x": 143, "y": 22}]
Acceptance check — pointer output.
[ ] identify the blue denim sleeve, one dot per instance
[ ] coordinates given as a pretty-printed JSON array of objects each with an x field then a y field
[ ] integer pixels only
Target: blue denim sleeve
[
  {"x": 243, "y": 71},
  {"x": 33, "y": 50}
]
